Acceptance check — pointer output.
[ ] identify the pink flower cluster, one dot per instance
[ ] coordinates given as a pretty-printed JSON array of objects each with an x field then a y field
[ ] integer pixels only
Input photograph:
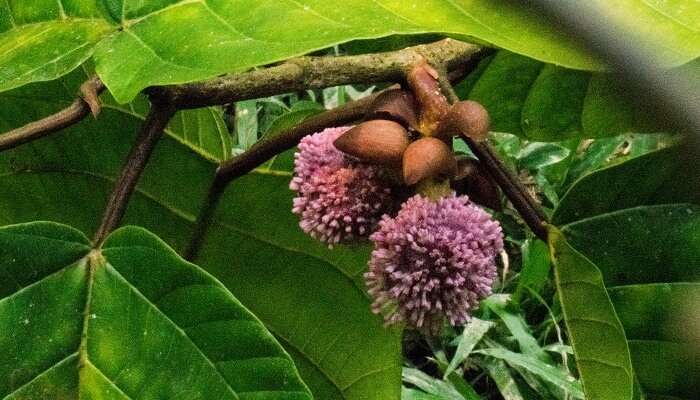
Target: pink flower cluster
[
  {"x": 434, "y": 260},
  {"x": 338, "y": 198}
]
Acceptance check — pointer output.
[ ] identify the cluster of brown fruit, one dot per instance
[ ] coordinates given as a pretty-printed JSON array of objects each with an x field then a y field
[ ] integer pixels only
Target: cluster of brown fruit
[{"x": 411, "y": 132}]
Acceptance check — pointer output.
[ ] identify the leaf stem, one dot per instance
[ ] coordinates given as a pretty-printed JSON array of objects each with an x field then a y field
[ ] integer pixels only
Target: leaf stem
[
  {"x": 529, "y": 210},
  {"x": 85, "y": 103},
  {"x": 151, "y": 131}
]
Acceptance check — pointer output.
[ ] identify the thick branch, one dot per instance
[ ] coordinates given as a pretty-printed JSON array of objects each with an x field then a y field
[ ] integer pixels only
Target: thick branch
[
  {"x": 79, "y": 109},
  {"x": 315, "y": 73},
  {"x": 529, "y": 210},
  {"x": 151, "y": 130}
]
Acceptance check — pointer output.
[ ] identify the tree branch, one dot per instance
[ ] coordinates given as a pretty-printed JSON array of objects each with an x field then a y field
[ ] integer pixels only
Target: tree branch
[
  {"x": 315, "y": 73},
  {"x": 267, "y": 148},
  {"x": 529, "y": 210},
  {"x": 152, "y": 129},
  {"x": 86, "y": 102}
]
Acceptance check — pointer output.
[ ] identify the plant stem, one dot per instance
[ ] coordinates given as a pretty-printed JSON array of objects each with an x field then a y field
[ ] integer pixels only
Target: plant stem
[
  {"x": 315, "y": 73},
  {"x": 152, "y": 129},
  {"x": 529, "y": 210},
  {"x": 74, "y": 113}
]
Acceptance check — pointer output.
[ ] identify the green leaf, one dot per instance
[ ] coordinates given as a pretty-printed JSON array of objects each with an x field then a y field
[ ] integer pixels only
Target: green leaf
[
  {"x": 642, "y": 245},
  {"x": 155, "y": 42},
  {"x": 595, "y": 332},
  {"x": 413, "y": 394},
  {"x": 500, "y": 304},
  {"x": 548, "y": 372},
  {"x": 536, "y": 266},
  {"x": 655, "y": 289},
  {"x": 203, "y": 130},
  {"x": 545, "y": 102},
  {"x": 44, "y": 42},
  {"x": 470, "y": 337},
  {"x": 246, "y": 123},
  {"x": 131, "y": 319},
  {"x": 499, "y": 372},
  {"x": 443, "y": 390},
  {"x": 540, "y": 155},
  {"x": 341, "y": 349},
  {"x": 654, "y": 178}
]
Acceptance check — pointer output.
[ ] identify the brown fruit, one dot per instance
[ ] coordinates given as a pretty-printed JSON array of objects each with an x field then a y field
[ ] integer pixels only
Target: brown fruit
[
  {"x": 433, "y": 105},
  {"x": 467, "y": 118},
  {"x": 395, "y": 105},
  {"x": 377, "y": 141},
  {"x": 427, "y": 158}
]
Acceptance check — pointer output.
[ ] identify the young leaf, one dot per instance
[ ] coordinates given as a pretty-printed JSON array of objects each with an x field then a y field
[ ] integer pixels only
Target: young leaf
[
  {"x": 469, "y": 338},
  {"x": 546, "y": 371},
  {"x": 499, "y": 304},
  {"x": 427, "y": 383},
  {"x": 498, "y": 371},
  {"x": 131, "y": 319},
  {"x": 413, "y": 394},
  {"x": 536, "y": 266},
  {"x": 595, "y": 332}
]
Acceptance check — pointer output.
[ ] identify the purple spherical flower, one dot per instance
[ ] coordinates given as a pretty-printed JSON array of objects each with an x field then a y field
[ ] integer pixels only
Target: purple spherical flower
[
  {"x": 338, "y": 198},
  {"x": 434, "y": 260}
]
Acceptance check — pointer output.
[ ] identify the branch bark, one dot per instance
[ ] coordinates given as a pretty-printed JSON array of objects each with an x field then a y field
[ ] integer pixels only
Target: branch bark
[
  {"x": 529, "y": 210},
  {"x": 82, "y": 106},
  {"x": 315, "y": 73},
  {"x": 151, "y": 131}
]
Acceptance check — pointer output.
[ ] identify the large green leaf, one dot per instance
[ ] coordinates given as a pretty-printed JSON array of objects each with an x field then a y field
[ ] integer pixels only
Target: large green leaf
[
  {"x": 164, "y": 42},
  {"x": 658, "y": 177},
  {"x": 649, "y": 258},
  {"x": 310, "y": 297},
  {"x": 43, "y": 40},
  {"x": 130, "y": 320},
  {"x": 546, "y": 102},
  {"x": 595, "y": 332}
]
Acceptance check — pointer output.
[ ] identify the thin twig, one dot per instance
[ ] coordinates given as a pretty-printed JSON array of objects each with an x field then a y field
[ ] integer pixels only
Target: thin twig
[
  {"x": 152, "y": 129},
  {"x": 315, "y": 73},
  {"x": 263, "y": 151},
  {"x": 86, "y": 102},
  {"x": 529, "y": 210}
]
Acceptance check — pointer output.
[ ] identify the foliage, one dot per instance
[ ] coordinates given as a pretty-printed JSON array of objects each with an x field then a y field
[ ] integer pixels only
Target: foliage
[
  {"x": 602, "y": 310},
  {"x": 137, "y": 44}
]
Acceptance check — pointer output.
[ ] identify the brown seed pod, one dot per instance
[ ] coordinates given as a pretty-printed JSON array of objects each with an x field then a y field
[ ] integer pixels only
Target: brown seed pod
[
  {"x": 377, "y": 141},
  {"x": 427, "y": 158},
  {"x": 433, "y": 105},
  {"x": 395, "y": 105},
  {"x": 471, "y": 179},
  {"x": 467, "y": 118}
]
